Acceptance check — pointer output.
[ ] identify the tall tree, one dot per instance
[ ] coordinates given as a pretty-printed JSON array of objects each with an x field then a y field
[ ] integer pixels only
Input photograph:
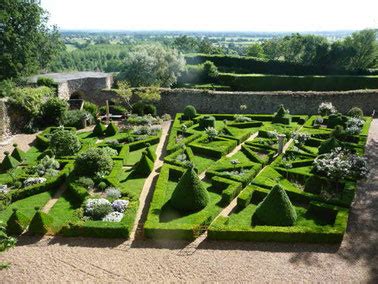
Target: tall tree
[{"x": 27, "y": 43}]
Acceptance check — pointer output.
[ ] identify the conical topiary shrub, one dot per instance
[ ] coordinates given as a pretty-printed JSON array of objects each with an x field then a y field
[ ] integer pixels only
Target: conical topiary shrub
[
  {"x": 17, "y": 223},
  {"x": 99, "y": 129},
  {"x": 18, "y": 154},
  {"x": 41, "y": 223},
  {"x": 111, "y": 130},
  {"x": 144, "y": 167},
  {"x": 9, "y": 162},
  {"x": 282, "y": 116},
  {"x": 150, "y": 153},
  {"x": 328, "y": 145},
  {"x": 190, "y": 195},
  {"x": 275, "y": 210}
]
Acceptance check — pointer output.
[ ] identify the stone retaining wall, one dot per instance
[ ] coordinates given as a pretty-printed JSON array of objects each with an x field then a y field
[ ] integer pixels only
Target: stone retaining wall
[{"x": 174, "y": 100}]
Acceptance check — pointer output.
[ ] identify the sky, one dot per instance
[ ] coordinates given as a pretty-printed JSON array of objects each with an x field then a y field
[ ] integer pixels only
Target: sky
[{"x": 213, "y": 15}]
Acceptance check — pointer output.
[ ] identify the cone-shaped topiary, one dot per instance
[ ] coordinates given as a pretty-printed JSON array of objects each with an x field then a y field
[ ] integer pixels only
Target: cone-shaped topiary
[
  {"x": 275, "y": 210},
  {"x": 9, "y": 162},
  {"x": 41, "y": 223},
  {"x": 190, "y": 195},
  {"x": 111, "y": 130},
  {"x": 281, "y": 112},
  {"x": 17, "y": 223},
  {"x": 99, "y": 129},
  {"x": 335, "y": 119},
  {"x": 328, "y": 145},
  {"x": 18, "y": 154},
  {"x": 282, "y": 116},
  {"x": 150, "y": 153},
  {"x": 144, "y": 167}
]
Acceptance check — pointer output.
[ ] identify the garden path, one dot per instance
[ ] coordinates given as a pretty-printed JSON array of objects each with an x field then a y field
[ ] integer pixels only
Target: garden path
[{"x": 54, "y": 199}]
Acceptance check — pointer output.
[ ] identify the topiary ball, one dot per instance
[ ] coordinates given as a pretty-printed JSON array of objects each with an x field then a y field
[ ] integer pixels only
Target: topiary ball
[
  {"x": 207, "y": 121},
  {"x": 355, "y": 112},
  {"x": 64, "y": 143},
  {"x": 190, "y": 112}
]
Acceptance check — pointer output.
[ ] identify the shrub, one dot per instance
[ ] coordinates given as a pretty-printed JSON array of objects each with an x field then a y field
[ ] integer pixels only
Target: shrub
[
  {"x": 138, "y": 108},
  {"x": 113, "y": 217},
  {"x": 144, "y": 167},
  {"x": 91, "y": 108},
  {"x": 53, "y": 111},
  {"x": 211, "y": 133},
  {"x": 151, "y": 154},
  {"x": 328, "y": 146},
  {"x": 326, "y": 108},
  {"x": 150, "y": 109},
  {"x": 17, "y": 223},
  {"x": 353, "y": 125},
  {"x": 99, "y": 129},
  {"x": 190, "y": 112},
  {"x": 282, "y": 116},
  {"x": 338, "y": 132},
  {"x": 86, "y": 182},
  {"x": 18, "y": 154},
  {"x": 207, "y": 121},
  {"x": 97, "y": 208},
  {"x": 112, "y": 193},
  {"x": 41, "y": 224},
  {"x": 241, "y": 118},
  {"x": 190, "y": 194},
  {"x": 102, "y": 185},
  {"x": 120, "y": 205},
  {"x": 9, "y": 162},
  {"x": 275, "y": 210},
  {"x": 75, "y": 118},
  {"x": 335, "y": 119},
  {"x": 93, "y": 162},
  {"x": 111, "y": 130},
  {"x": 110, "y": 151},
  {"x": 64, "y": 143},
  {"x": 355, "y": 112},
  {"x": 46, "y": 81},
  {"x": 210, "y": 71},
  {"x": 34, "y": 180},
  {"x": 46, "y": 166},
  {"x": 166, "y": 117},
  {"x": 315, "y": 184}
]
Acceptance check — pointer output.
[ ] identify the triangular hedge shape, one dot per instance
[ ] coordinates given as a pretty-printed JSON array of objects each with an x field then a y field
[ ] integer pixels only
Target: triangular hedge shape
[
  {"x": 282, "y": 116},
  {"x": 111, "y": 130},
  {"x": 99, "y": 129},
  {"x": 144, "y": 167},
  {"x": 41, "y": 224},
  {"x": 190, "y": 195},
  {"x": 9, "y": 162},
  {"x": 150, "y": 153},
  {"x": 328, "y": 145},
  {"x": 17, "y": 223},
  {"x": 18, "y": 154},
  {"x": 275, "y": 210}
]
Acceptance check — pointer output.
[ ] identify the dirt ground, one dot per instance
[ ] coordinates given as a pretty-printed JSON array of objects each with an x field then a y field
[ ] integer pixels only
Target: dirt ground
[{"x": 58, "y": 259}]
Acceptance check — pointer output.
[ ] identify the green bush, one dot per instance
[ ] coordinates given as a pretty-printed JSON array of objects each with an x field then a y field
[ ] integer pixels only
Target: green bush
[
  {"x": 99, "y": 129},
  {"x": 17, "y": 223},
  {"x": 328, "y": 145},
  {"x": 86, "y": 182},
  {"x": 75, "y": 118},
  {"x": 91, "y": 108},
  {"x": 144, "y": 167},
  {"x": 355, "y": 112},
  {"x": 190, "y": 112},
  {"x": 9, "y": 162},
  {"x": 46, "y": 81},
  {"x": 41, "y": 224},
  {"x": 282, "y": 116},
  {"x": 150, "y": 109},
  {"x": 206, "y": 122},
  {"x": 275, "y": 210},
  {"x": 102, "y": 185},
  {"x": 151, "y": 154},
  {"x": 111, "y": 129},
  {"x": 315, "y": 184},
  {"x": 189, "y": 195},
  {"x": 64, "y": 143},
  {"x": 17, "y": 153},
  {"x": 141, "y": 108},
  {"x": 93, "y": 162},
  {"x": 335, "y": 119},
  {"x": 53, "y": 111}
]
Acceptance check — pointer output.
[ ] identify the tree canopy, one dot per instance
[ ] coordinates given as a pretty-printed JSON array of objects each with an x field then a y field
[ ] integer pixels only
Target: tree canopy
[{"x": 28, "y": 44}]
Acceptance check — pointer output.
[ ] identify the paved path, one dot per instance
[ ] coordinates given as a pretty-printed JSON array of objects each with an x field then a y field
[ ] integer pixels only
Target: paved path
[{"x": 58, "y": 259}]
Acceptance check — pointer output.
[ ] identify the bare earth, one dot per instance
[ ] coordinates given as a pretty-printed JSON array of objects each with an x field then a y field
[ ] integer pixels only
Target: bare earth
[{"x": 58, "y": 259}]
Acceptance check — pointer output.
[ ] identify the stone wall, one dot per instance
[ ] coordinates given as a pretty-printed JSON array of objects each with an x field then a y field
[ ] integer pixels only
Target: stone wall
[
  {"x": 4, "y": 120},
  {"x": 174, "y": 100}
]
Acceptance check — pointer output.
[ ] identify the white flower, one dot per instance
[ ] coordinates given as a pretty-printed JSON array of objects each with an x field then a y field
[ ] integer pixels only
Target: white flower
[
  {"x": 34, "y": 180},
  {"x": 113, "y": 217},
  {"x": 120, "y": 205}
]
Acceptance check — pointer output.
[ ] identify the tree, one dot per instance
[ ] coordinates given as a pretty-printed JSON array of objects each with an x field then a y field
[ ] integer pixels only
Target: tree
[
  {"x": 28, "y": 43},
  {"x": 255, "y": 50},
  {"x": 152, "y": 64}
]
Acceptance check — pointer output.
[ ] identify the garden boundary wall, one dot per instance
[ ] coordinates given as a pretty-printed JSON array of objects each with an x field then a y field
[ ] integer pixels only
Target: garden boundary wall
[{"x": 175, "y": 100}]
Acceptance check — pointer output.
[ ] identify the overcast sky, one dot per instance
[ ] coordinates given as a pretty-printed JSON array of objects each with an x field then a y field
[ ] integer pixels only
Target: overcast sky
[{"x": 214, "y": 15}]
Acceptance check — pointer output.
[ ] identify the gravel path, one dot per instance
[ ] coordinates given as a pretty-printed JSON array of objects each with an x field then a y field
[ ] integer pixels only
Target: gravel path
[{"x": 58, "y": 259}]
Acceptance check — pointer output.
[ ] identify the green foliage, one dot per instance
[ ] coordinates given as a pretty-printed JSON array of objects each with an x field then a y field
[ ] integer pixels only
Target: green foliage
[
  {"x": 7, "y": 88},
  {"x": 41, "y": 224},
  {"x": 46, "y": 81},
  {"x": 17, "y": 223},
  {"x": 9, "y": 162},
  {"x": 64, "y": 142},
  {"x": 152, "y": 64},
  {"x": 47, "y": 166},
  {"x": 142, "y": 108},
  {"x": 150, "y": 109},
  {"x": 99, "y": 129},
  {"x": 18, "y": 154},
  {"x": 151, "y": 154},
  {"x": 206, "y": 122},
  {"x": 75, "y": 118},
  {"x": 355, "y": 112},
  {"x": 210, "y": 71},
  {"x": 328, "y": 145},
  {"x": 6, "y": 242},
  {"x": 335, "y": 119},
  {"x": 190, "y": 194},
  {"x": 102, "y": 185},
  {"x": 144, "y": 167},
  {"x": 93, "y": 162},
  {"x": 190, "y": 112},
  {"x": 26, "y": 23},
  {"x": 315, "y": 184},
  {"x": 91, "y": 108},
  {"x": 86, "y": 182},
  {"x": 111, "y": 129},
  {"x": 275, "y": 210},
  {"x": 53, "y": 111}
]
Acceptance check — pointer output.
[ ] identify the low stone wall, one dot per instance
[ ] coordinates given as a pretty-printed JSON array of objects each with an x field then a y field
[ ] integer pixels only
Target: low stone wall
[
  {"x": 174, "y": 100},
  {"x": 4, "y": 120}
]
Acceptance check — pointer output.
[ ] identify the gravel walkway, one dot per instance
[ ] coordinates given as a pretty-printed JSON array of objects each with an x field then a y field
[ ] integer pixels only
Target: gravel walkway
[{"x": 58, "y": 259}]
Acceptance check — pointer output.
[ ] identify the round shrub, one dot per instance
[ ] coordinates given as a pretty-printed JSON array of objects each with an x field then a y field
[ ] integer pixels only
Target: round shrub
[
  {"x": 76, "y": 118},
  {"x": 97, "y": 208},
  {"x": 86, "y": 182},
  {"x": 112, "y": 193},
  {"x": 206, "y": 122},
  {"x": 335, "y": 119},
  {"x": 190, "y": 112},
  {"x": 190, "y": 195},
  {"x": 102, "y": 185},
  {"x": 53, "y": 111},
  {"x": 64, "y": 143},
  {"x": 275, "y": 210},
  {"x": 355, "y": 112},
  {"x": 94, "y": 162},
  {"x": 138, "y": 108},
  {"x": 150, "y": 109}
]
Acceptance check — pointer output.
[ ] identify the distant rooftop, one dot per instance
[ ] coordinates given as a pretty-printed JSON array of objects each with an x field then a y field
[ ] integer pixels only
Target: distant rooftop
[{"x": 63, "y": 77}]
